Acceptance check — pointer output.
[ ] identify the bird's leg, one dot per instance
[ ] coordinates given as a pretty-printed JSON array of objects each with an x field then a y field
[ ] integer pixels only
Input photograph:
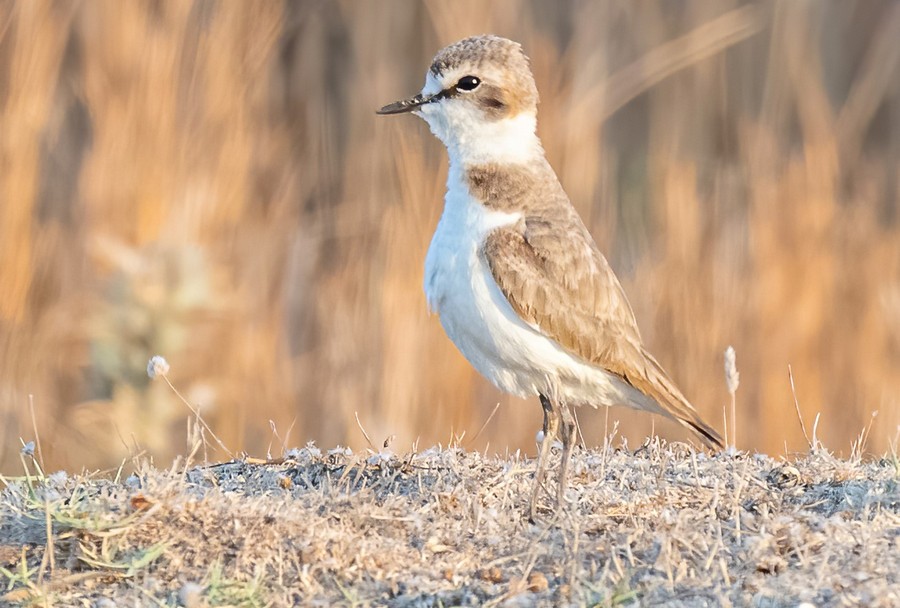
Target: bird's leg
[
  {"x": 568, "y": 440},
  {"x": 546, "y": 407},
  {"x": 551, "y": 427}
]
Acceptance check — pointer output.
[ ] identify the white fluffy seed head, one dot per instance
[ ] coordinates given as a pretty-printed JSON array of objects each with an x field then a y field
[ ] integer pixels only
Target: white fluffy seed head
[
  {"x": 157, "y": 366},
  {"x": 732, "y": 376}
]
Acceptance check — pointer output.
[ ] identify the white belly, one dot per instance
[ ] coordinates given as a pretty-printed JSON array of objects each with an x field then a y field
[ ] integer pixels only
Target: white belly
[{"x": 479, "y": 320}]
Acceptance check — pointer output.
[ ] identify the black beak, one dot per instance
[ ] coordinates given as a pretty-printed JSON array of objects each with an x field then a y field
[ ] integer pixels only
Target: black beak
[{"x": 405, "y": 105}]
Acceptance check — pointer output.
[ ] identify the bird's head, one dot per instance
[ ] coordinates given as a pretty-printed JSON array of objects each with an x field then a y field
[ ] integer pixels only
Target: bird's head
[{"x": 480, "y": 100}]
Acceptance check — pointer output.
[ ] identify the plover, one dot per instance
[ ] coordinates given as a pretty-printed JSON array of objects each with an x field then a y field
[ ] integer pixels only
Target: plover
[{"x": 518, "y": 282}]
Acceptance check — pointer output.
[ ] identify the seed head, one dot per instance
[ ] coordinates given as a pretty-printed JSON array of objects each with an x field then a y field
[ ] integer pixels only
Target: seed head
[
  {"x": 158, "y": 366},
  {"x": 732, "y": 376}
]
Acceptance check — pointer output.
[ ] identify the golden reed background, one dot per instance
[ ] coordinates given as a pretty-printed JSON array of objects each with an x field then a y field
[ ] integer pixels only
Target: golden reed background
[{"x": 208, "y": 181}]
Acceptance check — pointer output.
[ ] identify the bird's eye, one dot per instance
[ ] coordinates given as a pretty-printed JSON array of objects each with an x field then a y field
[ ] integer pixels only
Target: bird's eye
[{"x": 468, "y": 83}]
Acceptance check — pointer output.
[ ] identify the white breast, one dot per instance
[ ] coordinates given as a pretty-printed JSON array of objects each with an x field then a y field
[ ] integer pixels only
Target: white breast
[{"x": 479, "y": 320}]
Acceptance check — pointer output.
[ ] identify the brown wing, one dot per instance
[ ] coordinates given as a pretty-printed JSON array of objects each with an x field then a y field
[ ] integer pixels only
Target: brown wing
[
  {"x": 549, "y": 267},
  {"x": 567, "y": 290},
  {"x": 556, "y": 279}
]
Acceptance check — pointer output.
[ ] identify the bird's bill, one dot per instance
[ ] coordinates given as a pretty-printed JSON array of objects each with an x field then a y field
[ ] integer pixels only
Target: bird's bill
[{"x": 406, "y": 105}]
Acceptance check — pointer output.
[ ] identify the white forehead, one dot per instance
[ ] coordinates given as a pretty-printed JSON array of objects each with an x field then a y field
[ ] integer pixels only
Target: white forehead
[{"x": 432, "y": 84}]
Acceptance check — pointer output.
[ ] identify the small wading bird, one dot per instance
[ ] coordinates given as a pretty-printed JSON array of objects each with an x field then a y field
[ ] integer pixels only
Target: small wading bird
[{"x": 519, "y": 284}]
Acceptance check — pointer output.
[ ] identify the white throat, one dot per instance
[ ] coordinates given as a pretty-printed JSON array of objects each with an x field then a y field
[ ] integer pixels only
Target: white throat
[{"x": 472, "y": 141}]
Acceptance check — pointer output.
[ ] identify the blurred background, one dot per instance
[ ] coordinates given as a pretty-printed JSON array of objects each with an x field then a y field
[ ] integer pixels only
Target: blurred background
[{"x": 208, "y": 181}]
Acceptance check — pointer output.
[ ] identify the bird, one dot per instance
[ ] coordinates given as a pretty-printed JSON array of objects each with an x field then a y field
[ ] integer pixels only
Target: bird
[{"x": 519, "y": 284}]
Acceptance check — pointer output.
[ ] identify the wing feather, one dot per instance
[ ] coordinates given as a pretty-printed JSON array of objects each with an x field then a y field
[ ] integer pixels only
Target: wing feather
[{"x": 551, "y": 272}]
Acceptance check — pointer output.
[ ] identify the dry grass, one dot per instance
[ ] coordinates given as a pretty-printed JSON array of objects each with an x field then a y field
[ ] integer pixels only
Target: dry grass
[
  {"x": 445, "y": 527},
  {"x": 208, "y": 181}
]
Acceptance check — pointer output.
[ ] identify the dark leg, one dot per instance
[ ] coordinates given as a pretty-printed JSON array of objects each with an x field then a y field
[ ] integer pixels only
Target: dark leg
[
  {"x": 568, "y": 438},
  {"x": 546, "y": 406},
  {"x": 551, "y": 429}
]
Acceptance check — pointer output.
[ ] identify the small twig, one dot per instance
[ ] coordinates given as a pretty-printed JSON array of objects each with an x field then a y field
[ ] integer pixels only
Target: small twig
[
  {"x": 275, "y": 436},
  {"x": 194, "y": 446},
  {"x": 486, "y": 422},
  {"x": 51, "y": 548},
  {"x": 864, "y": 436},
  {"x": 815, "y": 435},
  {"x": 725, "y": 423},
  {"x": 605, "y": 442},
  {"x": 696, "y": 470},
  {"x": 578, "y": 426},
  {"x": 797, "y": 408},
  {"x": 197, "y": 414},
  {"x": 204, "y": 442},
  {"x": 365, "y": 434},
  {"x": 287, "y": 435},
  {"x": 37, "y": 436},
  {"x": 733, "y": 420},
  {"x": 736, "y": 510},
  {"x": 49, "y": 557}
]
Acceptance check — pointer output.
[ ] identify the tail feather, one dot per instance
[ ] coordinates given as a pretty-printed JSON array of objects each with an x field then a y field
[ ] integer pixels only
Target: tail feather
[
  {"x": 708, "y": 434},
  {"x": 657, "y": 385}
]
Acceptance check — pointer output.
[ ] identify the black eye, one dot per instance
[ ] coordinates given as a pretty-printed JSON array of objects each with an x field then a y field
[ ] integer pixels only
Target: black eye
[{"x": 468, "y": 83}]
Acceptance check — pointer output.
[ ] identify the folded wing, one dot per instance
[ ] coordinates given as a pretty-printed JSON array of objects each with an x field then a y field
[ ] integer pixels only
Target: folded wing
[{"x": 556, "y": 279}]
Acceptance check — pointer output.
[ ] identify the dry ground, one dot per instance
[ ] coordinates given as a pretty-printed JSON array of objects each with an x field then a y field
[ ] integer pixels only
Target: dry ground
[{"x": 660, "y": 525}]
